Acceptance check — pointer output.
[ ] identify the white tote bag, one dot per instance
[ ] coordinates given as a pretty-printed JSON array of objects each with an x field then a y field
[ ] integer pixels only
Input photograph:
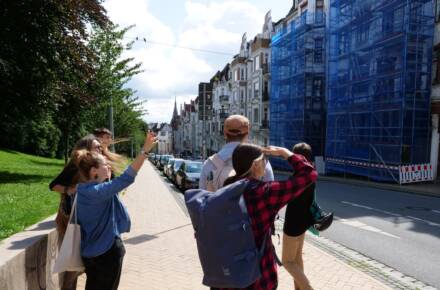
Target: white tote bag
[{"x": 69, "y": 256}]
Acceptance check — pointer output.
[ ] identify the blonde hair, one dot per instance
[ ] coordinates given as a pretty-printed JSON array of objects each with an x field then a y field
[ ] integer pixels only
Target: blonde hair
[{"x": 85, "y": 160}]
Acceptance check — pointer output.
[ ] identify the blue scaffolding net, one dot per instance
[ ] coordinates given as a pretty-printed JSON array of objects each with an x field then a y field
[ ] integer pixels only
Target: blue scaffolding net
[
  {"x": 297, "y": 111},
  {"x": 379, "y": 79}
]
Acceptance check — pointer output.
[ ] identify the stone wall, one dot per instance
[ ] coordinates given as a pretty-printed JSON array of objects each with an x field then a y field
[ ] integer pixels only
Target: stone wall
[{"x": 26, "y": 258}]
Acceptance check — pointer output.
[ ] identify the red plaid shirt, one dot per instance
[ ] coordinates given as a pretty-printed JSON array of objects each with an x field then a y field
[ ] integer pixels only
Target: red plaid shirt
[{"x": 263, "y": 201}]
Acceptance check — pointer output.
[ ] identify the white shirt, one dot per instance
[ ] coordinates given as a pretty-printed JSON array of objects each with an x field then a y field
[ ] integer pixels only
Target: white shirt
[{"x": 226, "y": 153}]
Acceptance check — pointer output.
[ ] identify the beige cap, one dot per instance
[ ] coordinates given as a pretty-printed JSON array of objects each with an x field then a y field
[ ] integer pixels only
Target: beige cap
[{"x": 236, "y": 125}]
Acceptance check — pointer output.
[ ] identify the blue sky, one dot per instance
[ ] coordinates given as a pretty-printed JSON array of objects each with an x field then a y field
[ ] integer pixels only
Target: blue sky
[{"x": 209, "y": 25}]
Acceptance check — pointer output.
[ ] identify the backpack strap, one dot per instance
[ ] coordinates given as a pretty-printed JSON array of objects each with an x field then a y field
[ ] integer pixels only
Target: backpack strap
[
  {"x": 263, "y": 245},
  {"x": 217, "y": 161}
]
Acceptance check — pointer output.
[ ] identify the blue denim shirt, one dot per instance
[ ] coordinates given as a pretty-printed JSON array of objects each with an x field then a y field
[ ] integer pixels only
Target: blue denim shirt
[
  {"x": 224, "y": 154},
  {"x": 101, "y": 214}
]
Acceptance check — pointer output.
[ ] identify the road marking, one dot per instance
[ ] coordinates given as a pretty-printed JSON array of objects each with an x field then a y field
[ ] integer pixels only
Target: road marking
[
  {"x": 373, "y": 209},
  {"x": 393, "y": 214},
  {"x": 436, "y": 211},
  {"x": 360, "y": 225}
]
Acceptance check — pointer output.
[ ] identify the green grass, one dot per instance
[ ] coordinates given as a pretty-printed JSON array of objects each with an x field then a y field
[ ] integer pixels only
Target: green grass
[{"x": 25, "y": 197}]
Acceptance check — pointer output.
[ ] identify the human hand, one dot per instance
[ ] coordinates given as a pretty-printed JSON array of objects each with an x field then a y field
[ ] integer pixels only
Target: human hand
[
  {"x": 150, "y": 141},
  {"x": 72, "y": 189},
  {"x": 277, "y": 151}
]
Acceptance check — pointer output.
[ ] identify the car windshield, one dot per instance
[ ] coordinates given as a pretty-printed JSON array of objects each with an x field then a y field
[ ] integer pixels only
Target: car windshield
[
  {"x": 194, "y": 167},
  {"x": 165, "y": 158},
  {"x": 177, "y": 164}
]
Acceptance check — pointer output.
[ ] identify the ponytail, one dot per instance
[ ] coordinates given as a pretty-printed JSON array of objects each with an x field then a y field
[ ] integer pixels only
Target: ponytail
[
  {"x": 232, "y": 179},
  {"x": 242, "y": 159},
  {"x": 85, "y": 160}
]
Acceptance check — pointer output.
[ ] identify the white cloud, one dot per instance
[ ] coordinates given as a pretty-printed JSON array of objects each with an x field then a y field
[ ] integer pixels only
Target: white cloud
[{"x": 169, "y": 71}]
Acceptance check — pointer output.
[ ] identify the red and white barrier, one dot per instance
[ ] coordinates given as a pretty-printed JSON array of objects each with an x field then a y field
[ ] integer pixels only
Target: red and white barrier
[
  {"x": 415, "y": 173},
  {"x": 407, "y": 173}
]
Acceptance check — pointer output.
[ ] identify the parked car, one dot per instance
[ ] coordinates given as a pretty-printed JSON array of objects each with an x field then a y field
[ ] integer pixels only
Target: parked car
[
  {"x": 163, "y": 160},
  {"x": 167, "y": 167},
  {"x": 188, "y": 175},
  {"x": 173, "y": 170},
  {"x": 156, "y": 159},
  {"x": 151, "y": 157}
]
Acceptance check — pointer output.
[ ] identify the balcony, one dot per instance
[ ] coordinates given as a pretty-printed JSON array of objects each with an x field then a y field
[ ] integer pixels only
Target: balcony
[
  {"x": 224, "y": 99},
  {"x": 223, "y": 115},
  {"x": 264, "y": 124},
  {"x": 266, "y": 69}
]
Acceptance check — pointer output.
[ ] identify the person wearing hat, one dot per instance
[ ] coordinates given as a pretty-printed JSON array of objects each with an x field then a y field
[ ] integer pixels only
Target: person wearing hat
[{"x": 236, "y": 131}]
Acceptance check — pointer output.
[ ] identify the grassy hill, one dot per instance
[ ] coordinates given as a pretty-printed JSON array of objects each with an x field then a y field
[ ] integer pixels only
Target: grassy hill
[{"x": 25, "y": 197}]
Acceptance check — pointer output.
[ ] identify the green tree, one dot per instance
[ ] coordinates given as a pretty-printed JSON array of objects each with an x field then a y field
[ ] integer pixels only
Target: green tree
[
  {"x": 45, "y": 64},
  {"x": 113, "y": 72}
]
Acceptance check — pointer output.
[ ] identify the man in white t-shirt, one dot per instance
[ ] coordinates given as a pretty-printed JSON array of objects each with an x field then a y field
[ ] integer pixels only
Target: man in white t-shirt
[{"x": 236, "y": 131}]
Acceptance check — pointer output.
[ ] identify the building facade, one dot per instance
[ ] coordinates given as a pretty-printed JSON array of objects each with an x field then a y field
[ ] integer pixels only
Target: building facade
[{"x": 297, "y": 107}]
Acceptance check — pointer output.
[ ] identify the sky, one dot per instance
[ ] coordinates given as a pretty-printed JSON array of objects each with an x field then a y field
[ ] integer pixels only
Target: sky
[{"x": 174, "y": 73}]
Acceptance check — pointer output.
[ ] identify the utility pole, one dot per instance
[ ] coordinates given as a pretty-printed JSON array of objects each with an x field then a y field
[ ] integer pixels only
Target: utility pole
[
  {"x": 204, "y": 120},
  {"x": 111, "y": 127}
]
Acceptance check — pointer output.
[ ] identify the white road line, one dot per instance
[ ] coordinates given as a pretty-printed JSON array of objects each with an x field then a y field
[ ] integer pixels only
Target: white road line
[
  {"x": 373, "y": 209},
  {"x": 360, "y": 225},
  {"x": 436, "y": 211},
  {"x": 393, "y": 214}
]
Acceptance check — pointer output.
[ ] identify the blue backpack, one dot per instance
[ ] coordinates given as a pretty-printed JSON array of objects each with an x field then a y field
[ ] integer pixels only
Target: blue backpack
[{"x": 225, "y": 241}]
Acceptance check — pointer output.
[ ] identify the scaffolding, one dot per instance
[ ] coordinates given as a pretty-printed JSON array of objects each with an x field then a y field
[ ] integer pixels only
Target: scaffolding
[
  {"x": 297, "y": 111},
  {"x": 379, "y": 76}
]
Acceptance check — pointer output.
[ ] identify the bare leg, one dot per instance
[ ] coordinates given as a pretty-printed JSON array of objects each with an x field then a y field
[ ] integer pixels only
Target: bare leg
[{"x": 293, "y": 262}]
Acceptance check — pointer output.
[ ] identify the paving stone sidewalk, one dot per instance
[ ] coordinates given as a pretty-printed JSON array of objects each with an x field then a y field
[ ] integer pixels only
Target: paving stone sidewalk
[{"x": 162, "y": 254}]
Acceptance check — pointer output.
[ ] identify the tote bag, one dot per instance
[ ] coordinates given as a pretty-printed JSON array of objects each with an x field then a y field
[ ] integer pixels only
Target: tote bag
[{"x": 69, "y": 256}]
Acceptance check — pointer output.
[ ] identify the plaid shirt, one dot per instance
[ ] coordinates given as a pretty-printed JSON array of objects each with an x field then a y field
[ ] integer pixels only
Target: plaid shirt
[{"x": 263, "y": 201}]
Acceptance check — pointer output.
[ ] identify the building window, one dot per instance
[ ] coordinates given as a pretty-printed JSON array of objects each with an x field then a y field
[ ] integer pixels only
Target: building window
[
  {"x": 236, "y": 75},
  {"x": 256, "y": 90},
  {"x": 436, "y": 65},
  {"x": 257, "y": 62},
  {"x": 319, "y": 4},
  {"x": 318, "y": 51},
  {"x": 437, "y": 10},
  {"x": 256, "y": 117},
  {"x": 241, "y": 74}
]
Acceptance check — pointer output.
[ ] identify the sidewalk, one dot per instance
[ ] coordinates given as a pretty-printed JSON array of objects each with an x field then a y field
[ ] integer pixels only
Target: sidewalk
[
  {"x": 162, "y": 254},
  {"x": 422, "y": 188}
]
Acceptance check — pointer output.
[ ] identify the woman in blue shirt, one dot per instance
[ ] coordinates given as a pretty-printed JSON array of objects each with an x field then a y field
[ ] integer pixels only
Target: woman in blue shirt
[{"x": 102, "y": 216}]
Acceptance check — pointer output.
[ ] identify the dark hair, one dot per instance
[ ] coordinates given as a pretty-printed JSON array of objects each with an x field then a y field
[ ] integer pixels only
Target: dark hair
[
  {"x": 243, "y": 157},
  {"x": 99, "y": 132},
  {"x": 85, "y": 142},
  {"x": 304, "y": 149}
]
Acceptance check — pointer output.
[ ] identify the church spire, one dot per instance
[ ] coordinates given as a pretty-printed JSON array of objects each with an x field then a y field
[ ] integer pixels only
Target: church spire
[{"x": 175, "y": 108}]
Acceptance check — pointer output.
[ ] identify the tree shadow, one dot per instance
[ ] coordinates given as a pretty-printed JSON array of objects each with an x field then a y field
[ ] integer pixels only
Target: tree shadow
[
  {"x": 45, "y": 226},
  {"x": 9, "y": 151},
  {"x": 25, "y": 243},
  {"x": 47, "y": 163},
  {"x": 9, "y": 177}
]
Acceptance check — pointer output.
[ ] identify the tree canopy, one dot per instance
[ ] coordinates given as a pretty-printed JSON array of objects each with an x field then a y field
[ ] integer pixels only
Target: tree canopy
[{"x": 60, "y": 62}]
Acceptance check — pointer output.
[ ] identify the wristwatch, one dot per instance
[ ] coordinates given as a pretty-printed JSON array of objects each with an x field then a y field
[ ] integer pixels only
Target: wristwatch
[{"x": 145, "y": 153}]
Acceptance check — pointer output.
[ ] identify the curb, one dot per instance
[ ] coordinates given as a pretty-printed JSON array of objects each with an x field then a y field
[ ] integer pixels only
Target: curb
[{"x": 385, "y": 186}]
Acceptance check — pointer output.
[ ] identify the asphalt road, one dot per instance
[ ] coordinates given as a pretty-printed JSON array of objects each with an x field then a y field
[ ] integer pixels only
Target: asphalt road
[{"x": 398, "y": 229}]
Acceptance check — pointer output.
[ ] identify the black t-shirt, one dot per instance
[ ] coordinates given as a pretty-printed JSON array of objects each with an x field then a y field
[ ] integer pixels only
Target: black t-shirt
[
  {"x": 67, "y": 177},
  {"x": 298, "y": 215}
]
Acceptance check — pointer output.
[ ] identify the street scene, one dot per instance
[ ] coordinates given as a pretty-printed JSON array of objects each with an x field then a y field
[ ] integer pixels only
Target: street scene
[{"x": 220, "y": 144}]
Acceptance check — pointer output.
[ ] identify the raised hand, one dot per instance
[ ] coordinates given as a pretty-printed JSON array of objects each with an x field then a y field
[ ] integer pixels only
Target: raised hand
[
  {"x": 150, "y": 141},
  {"x": 277, "y": 151}
]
